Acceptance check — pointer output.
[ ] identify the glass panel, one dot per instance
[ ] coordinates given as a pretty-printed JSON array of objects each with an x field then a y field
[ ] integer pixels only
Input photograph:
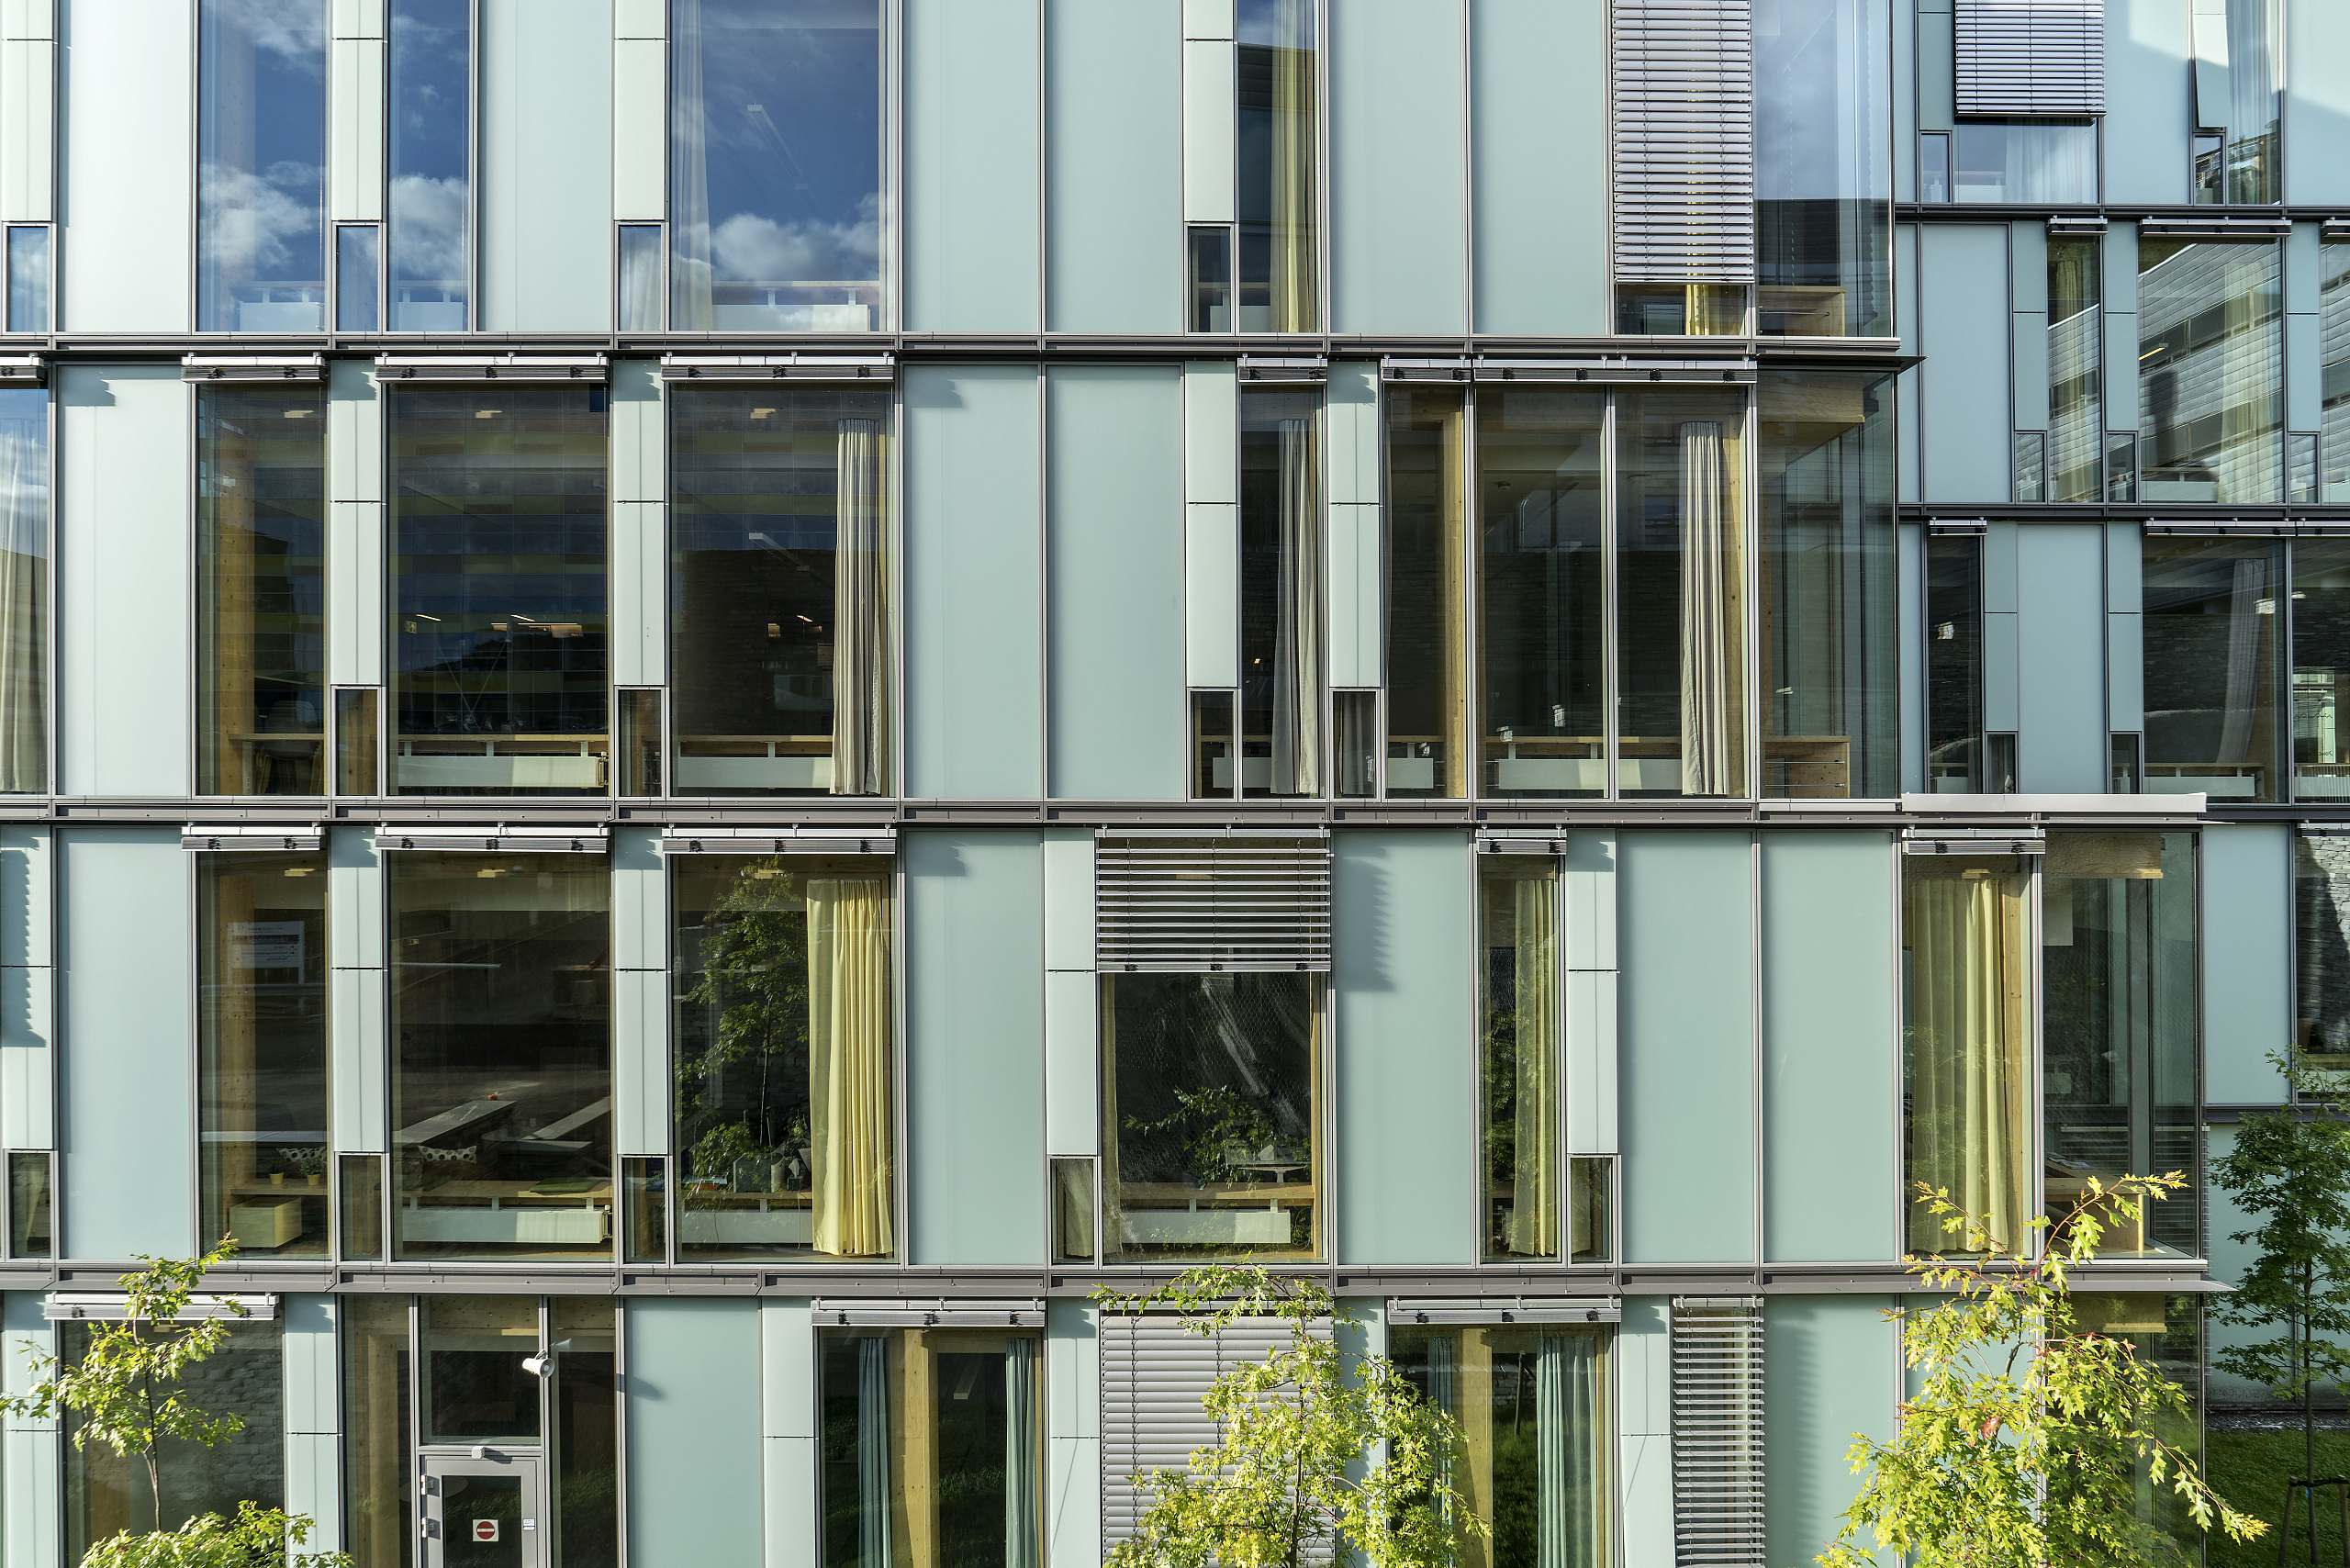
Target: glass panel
[
  {"x": 2211, "y": 632},
  {"x": 2076, "y": 356},
  {"x": 1933, "y": 167},
  {"x": 261, "y": 260},
  {"x": 2321, "y": 947},
  {"x": 29, "y": 1186},
  {"x": 2030, "y": 163},
  {"x": 261, "y": 1077},
  {"x": 476, "y": 1387},
  {"x": 1211, "y": 744},
  {"x": 1831, "y": 610},
  {"x": 24, "y": 590},
  {"x": 646, "y": 1196},
  {"x": 2031, "y": 464},
  {"x": 2243, "y": 51},
  {"x": 1591, "y": 1209},
  {"x": 470, "y": 1501},
  {"x": 2300, "y": 467},
  {"x": 1967, "y": 979},
  {"x": 1542, "y": 588},
  {"x": 2118, "y": 1023},
  {"x": 585, "y": 1394},
  {"x": 785, "y": 1055},
  {"x": 1354, "y": 719},
  {"x": 780, "y": 607},
  {"x": 377, "y": 1506},
  {"x": 1211, "y": 1115},
  {"x": 2333, "y": 340},
  {"x": 28, "y": 278},
  {"x": 1999, "y": 762},
  {"x": 1073, "y": 1211},
  {"x": 1210, "y": 252},
  {"x": 2207, "y": 154},
  {"x": 1538, "y": 1438},
  {"x": 1680, "y": 587},
  {"x": 2321, "y": 669},
  {"x": 1427, "y": 685},
  {"x": 2125, "y": 770},
  {"x": 2210, "y": 384},
  {"x": 640, "y": 277},
  {"x": 640, "y": 741},
  {"x": 1823, "y": 168},
  {"x": 931, "y": 1450},
  {"x": 354, "y": 741},
  {"x": 1281, "y": 594},
  {"x": 107, "y": 1492},
  {"x": 361, "y": 1179},
  {"x": 1954, "y": 664},
  {"x": 1681, "y": 310},
  {"x": 2121, "y": 467},
  {"x": 775, "y": 166},
  {"x": 358, "y": 277},
  {"x": 1279, "y": 168},
  {"x": 1518, "y": 975},
  {"x": 432, "y": 164},
  {"x": 501, "y": 1083},
  {"x": 261, "y": 523},
  {"x": 2166, "y": 1333},
  {"x": 498, "y": 592}
]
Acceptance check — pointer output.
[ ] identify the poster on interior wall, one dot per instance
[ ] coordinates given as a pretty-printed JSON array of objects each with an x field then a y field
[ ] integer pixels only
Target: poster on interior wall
[{"x": 265, "y": 944}]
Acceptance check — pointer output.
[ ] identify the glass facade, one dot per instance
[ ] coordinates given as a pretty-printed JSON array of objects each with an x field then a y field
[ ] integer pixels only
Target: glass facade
[
  {"x": 430, "y": 190},
  {"x": 260, "y": 166},
  {"x": 786, "y": 1057},
  {"x": 781, "y": 577},
  {"x": 2212, "y": 642},
  {"x": 261, "y": 520},
  {"x": 501, "y": 1005},
  {"x": 1823, "y": 169},
  {"x": 2075, "y": 448},
  {"x": 500, "y": 594},
  {"x": 776, "y": 215},
  {"x": 2211, "y": 382}
]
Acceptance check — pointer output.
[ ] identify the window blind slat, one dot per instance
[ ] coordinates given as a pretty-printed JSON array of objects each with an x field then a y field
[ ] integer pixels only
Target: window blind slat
[
  {"x": 1203, "y": 905},
  {"x": 1716, "y": 1433},
  {"x": 2025, "y": 59},
  {"x": 1683, "y": 86}
]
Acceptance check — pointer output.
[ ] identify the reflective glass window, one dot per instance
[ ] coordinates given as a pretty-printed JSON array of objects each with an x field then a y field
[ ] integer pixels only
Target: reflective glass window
[
  {"x": 2211, "y": 370},
  {"x": 261, "y": 260},
  {"x": 2076, "y": 446},
  {"x": 24, "y": 590},
  {"x": 1428, "y": 544},
  {"x": 2321, "y": 617},
  {"x": 1823, "y": 168},
  {"x": 1954, "y": 759},
  {"x": 2038, "y": 162},
  {"x": 430, "y": 153},
  {"x": 378, "y": 1502},
  {"x": 358, "y": 272},
  {"x": 1523, "y": 1106},
  {"x": 2238, "y": 78},
  {"x": 2213, "y": 633},
  {"x": 1282, "y": 606},
  {"x": 1278, "y": 191}
]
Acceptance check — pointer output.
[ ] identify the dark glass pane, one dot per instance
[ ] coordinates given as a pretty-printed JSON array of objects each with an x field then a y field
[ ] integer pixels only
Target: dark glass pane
[
  {"x": 2321, "y": 605},
  {"x": 1211, "y": 279},
  {"x": 1954, "y": 664},
  {"x": 29, "y": 1205},
  {"x": 1354, "y": 726},
  {"x": 647, "y": 1216},
  {"x": 1073, "y": 1226},
  {"x": 377, "y": 1501},
  {"x": 1281, "y": 605},
  {"x": 586, "y": 1433},
  {"x": 361, "y": 1177},
  {"x": 2321, "y": 947},
  {"x": 354, "y": 741},
  {"x": 1211, "y": 745},
  {"x": 476, "y": 1387},
  {"x": 2212, "y": 634},
  {"x": 1518, "y": 975},
  {"x": 430, "y": 156},
  {"x": 1278, "y": 165},
  {"x": 1427, "y": 697},
  {"x": 640, "y": 742},
  {"x": 261, "y": 264}
]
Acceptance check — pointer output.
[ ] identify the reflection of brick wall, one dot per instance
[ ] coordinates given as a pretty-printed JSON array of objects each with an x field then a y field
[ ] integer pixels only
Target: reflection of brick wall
[{"x": 245, "y": 1379}]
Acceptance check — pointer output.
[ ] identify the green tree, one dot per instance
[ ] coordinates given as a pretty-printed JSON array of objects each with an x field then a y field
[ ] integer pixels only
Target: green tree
[
  {"x": 2290, "y": 1171},
  {"x": 1310, "y": 1453},
  {"x": 2029, "y": 1441},
  {"x": 755, "y": 976},
  {"x": 123, "y": 1392}
]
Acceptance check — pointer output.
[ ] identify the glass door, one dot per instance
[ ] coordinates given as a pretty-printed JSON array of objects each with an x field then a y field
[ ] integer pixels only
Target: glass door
[{"x": 483, "y": 1513}]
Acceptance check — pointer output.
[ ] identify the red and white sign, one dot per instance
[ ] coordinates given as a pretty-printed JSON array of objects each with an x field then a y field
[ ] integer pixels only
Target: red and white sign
[{"x": 484, "y": 1529}]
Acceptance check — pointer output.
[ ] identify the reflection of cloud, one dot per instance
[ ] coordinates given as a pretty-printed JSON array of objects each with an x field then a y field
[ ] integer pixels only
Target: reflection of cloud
[
  {"x": 28, "y": 284},
  {"x": 428, "y": 228},
  {"x": 251, "y": 221},
  {"x": 296, "y": 34},
  {"x": 747, "y": 248}
]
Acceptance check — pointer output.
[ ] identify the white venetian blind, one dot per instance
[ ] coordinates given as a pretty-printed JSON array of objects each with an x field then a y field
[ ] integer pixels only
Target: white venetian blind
[
  {"x": 1683, "y": 76},
  {"x": 2020, "y": 59},
  {"x": 1227, "y": 902},
  {"x": 1717, "y": 1432}
]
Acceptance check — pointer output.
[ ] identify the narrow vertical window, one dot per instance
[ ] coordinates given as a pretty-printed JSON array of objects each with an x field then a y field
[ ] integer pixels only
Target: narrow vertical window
[
  {"x": 2239, "y": 81},
  {"x": 28, "y": 278},
  {"x": 1427, "y": 548},
  {"x": 24, "y": 590},
  {"x": 1281, "y": 607},
  {"x": 1279, "y": 173},
  {"x": 29, "y": 1188},
  {"x": 1210, "y": 268},
  {"x": 2333, "y": 340},
  {"x": 781, "y": 624},
  {"x": 358, "y": 277},
  {"x": 778, "y": 219},
  {"x": 1954, "y": 759},
  {"x": 262, "y": 1085},
  {"x": 1823, "y": 168},
  {"x": 379, "y": 1485},
  {"x": 2212, "y": 636},
  {"x": 2320, "y": 606},
  {"x": 261, "y": 262},
  {"x": 261, "y": 530},
  {"x": 431, "y": 165},
  {"x": 640, "y": 277},
  {"x": 1965, "y": 931},
  {"x": 2211, "y": 325},
  {"x": 355, "y": 769},
  {"x": 1524, "y": 1099},
  {"x": 2074, "y": 461}
]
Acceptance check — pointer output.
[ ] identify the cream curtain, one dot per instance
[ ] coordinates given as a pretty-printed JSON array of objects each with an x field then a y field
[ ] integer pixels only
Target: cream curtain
[
  {"x": 1574, "y": 1528},
  {"x": 1534, "y": 1198},
  {"x": 1297, "y": 635},
  {"x": 1293, "y": 167},
  {"x": 24, "y": 635},
  {"x": 860, "y": 616},
  {"x": 848, "y": 1065},
  {"x": 1967, "y": 928},
  {"x": 1709, "y": 731}
]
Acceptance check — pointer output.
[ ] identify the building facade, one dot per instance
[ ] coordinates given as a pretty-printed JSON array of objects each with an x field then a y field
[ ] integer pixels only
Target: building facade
[{"x": 704, "y": 702}]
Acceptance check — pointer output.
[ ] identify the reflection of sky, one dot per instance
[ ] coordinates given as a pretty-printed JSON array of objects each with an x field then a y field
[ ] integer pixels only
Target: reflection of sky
[
  {"x": 789, "y": 134},
  {"x": 263, "y": 122},
  {"x": 1814, "y": 140},
  {"x": 431, "y": 46}
]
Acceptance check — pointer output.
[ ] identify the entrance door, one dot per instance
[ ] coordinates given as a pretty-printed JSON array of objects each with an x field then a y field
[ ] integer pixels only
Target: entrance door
[{"x": 483, "y": 1513}]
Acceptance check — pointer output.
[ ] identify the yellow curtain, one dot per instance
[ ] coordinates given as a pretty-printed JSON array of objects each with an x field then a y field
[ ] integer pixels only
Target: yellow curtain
[
  {"x": 1534, "y": 1200},
  {"x": 1293, "y": 167},
  {"x": 1967, "y": 1128},
  {"x": 848, "y": 1065}
]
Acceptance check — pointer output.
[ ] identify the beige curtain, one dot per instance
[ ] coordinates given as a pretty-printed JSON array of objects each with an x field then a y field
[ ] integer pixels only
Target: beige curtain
[
  {"x": 1710, "y": 732},
  {"x": 1293, "y": 167},
  {"x": 1966, "y": 929},
  {"x": 1297, "y": 635},
  {"x": 860, "y": 616},
  {"x": 23, "y": 634},
  {"x": 848, "y": 1065},
  {"x": 1534, "y": 1200}
]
